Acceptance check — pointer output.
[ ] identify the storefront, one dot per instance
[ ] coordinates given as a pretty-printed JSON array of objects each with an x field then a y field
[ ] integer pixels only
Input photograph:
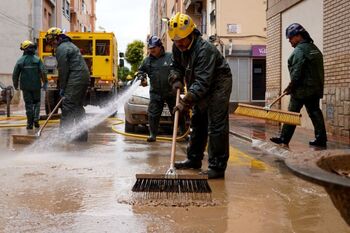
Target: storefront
[{"x": 248, "y": 66}]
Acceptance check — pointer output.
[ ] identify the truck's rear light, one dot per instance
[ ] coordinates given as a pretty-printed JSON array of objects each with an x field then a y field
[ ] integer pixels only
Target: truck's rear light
[{"x": 102, "y": 82}]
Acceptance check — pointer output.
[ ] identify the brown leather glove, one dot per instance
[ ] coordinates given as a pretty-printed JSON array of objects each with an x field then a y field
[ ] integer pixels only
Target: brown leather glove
[
  {"x": 144, "y": 82},
  {"x": 177, "y": 85},
  {"x": 173, "y": 77},
  {"x": 184, "y": 104}
]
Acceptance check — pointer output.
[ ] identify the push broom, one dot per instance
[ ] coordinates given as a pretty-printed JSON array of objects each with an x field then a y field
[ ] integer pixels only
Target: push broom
[
  {"x": 266, "y": 113},
  {"x": 172, "y": 184},
  {"x": 28, "y": 139}
]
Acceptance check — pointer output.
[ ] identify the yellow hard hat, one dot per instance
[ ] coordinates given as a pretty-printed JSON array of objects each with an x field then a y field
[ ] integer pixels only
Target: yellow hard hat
[
  {"x": 53, "y": 32},
  {"x": 180, "y": 26},
  {"x": 26, "y": 44}
]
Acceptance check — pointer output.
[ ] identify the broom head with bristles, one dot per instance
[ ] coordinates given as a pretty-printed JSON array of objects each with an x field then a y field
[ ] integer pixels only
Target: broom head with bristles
[
  {"x": 180, "y": 183},
  {"x": 251, "y": 111},
  {"x": 23, "y": 139},
  {"x": 291, "y": 118}
]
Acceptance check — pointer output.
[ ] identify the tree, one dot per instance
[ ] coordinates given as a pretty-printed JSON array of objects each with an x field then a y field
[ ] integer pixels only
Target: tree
[
  {"x": 134, "y": 54},
  {"x": 123, "y": 72}
]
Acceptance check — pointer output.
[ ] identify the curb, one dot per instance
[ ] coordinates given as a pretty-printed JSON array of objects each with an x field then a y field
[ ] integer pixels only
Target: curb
[{"x": 241, "y": 136}]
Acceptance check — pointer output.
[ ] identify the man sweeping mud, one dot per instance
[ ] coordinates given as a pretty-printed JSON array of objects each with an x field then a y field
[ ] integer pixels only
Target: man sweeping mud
[
  {"x": 74, "y": 78},
  {"x": 198, "y": 64},
  {"x": 306, "y": 70}
]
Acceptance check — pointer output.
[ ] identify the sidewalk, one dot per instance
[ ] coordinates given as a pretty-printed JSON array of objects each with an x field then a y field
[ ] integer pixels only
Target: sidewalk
[{"x": 249, "y": 128}]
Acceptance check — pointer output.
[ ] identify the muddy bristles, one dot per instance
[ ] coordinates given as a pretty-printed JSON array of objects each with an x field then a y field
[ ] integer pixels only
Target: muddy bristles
[
  {"x": 147, "y": 185},
  {"x": 172, "y": 199}
]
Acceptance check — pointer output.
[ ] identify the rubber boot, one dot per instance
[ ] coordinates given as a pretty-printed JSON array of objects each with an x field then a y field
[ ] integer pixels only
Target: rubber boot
[
  {"x": 153, "y": 129},
  {"x": 320, "y": 129},
  {"x": 29, "y": 122},
  {"x": 218, "y": 152},
  {"x": 36, "y": 124},
  {"x": 29, "y": 126},
  {"x": 36, "y": 114}
]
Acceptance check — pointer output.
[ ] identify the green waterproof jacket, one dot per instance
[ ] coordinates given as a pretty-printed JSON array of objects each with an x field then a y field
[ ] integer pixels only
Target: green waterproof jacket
[
  {"x": 72, "y": 69},
  {"x": 204, "y": 69},
  {"x": 158, "y": 71},
  {"x": 305, "y": 66},
  {"x": 29, "y": 72}
]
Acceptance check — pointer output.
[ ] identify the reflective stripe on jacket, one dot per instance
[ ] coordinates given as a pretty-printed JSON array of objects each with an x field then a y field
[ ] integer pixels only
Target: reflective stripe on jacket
[{"x": 28, "y": 73}]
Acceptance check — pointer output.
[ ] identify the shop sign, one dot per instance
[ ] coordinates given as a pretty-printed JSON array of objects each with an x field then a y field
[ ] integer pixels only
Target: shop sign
[{"x": 259, "y": 51}]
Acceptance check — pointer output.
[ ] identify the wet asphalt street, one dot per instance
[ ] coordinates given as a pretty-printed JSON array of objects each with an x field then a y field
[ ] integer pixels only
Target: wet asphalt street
[{"x": 86, "y": 187}]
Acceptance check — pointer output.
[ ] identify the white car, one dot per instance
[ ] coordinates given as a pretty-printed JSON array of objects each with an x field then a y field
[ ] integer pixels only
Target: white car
[{"x": 136, "y": 109}]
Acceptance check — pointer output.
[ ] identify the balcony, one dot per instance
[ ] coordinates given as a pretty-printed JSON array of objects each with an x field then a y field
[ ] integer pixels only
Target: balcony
[{"x": 72, "y": 10}]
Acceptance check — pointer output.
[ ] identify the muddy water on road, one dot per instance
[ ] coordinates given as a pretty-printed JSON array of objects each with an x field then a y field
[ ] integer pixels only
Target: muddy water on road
[{"x": 86, "y": 188}]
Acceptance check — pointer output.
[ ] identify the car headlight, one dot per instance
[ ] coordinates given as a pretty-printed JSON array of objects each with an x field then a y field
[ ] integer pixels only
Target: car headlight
[{"x": 138, "y": 100}]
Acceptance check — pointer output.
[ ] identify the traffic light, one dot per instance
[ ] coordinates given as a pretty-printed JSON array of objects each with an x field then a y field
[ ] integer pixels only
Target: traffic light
[{"x": 121, "y": 62}]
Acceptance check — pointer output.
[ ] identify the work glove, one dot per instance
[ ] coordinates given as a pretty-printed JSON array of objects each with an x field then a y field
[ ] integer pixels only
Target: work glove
[
  {"x": 141, "y": 75},
  {"x": 184, "y": 104},
  {"x": 289, "y": 88},
  {"x": 144, "y": 82},
  {"x": 45, "y": 86},
  {"x": 177, "y": 85},
  {"x": 173, "y": 77},
  {"x": 61, "y": 92}
]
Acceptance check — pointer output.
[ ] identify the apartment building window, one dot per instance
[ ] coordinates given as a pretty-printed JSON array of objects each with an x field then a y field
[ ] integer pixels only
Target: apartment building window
[
  {"x": 51, "y": 22},
  {"x": 65, "y": 8},
  {"x": 212, "y": 17},
  {"x": 83, "y": 7}
]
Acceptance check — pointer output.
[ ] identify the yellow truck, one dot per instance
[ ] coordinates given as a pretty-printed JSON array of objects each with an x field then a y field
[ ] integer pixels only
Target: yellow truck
[{"x": 99, "y": 50}]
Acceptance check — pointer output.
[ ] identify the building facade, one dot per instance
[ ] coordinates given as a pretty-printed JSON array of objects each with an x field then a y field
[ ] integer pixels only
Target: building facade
[
  {"x": 25, "y": 22},
  {"x": 82, "y": 15},
  {"x": 327, "y": 22},
  {"x": 17, "y": 24}
]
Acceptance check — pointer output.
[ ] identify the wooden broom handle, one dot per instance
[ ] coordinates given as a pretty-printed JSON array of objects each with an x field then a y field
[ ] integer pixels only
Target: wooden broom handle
[
  {"x": 278, "y": 98},
  {"x": 176, "y": 120},
  {"x": 49, "y": 117}
]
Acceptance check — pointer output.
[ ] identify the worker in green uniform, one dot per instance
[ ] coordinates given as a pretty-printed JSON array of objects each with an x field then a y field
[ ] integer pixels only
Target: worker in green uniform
[
  {"x": 199, "y": 65},
  {"x": 74, "y": 76},
  {"x": 29, "y": 75},
  {"x": 306, "y": 70},
  {"x": 157, "y": 67}
]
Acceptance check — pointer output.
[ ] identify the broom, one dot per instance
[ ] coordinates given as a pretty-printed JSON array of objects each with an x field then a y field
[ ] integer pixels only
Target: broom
[
  {"x": 165, "y": 185},
  {"x": 266, "y": 113}
]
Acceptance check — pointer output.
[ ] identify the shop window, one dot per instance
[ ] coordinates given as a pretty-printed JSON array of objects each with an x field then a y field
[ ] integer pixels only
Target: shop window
[{"x": 259, "y": 79}]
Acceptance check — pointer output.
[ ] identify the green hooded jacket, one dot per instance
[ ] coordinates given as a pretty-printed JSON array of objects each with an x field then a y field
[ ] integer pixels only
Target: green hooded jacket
[
  {"x": 72, "y": 69},
  {"x": 28, "y": 73},
  {"x": 305, "y": 66},
  {"x": 158, "y": 70},
  {"x": 203, "y": 68}
]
